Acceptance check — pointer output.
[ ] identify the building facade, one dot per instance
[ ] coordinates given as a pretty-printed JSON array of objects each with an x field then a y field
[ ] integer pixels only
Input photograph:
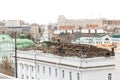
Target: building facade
[
  {"x": 103, "y": 39},
  {"x": 6, "y": 48},
  {"x": 117, "y": 61},
  {"x": 66, "y": 24},
  {"x": 10, "y": 26},
  {"x": 35, "y": 64},
  {"x": 72, "y": 24}
]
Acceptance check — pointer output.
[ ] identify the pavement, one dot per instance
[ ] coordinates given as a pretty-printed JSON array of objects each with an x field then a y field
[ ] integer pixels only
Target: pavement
[{"x": 3, "y": 76}]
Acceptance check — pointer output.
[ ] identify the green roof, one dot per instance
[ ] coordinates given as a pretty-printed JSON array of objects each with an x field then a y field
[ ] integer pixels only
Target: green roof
[
  {"x": 5, "y": 37},
  {"x": 101, "y": 35},
  {"x": 117, "y": 35},
  {"x": 23, "y": 42},
  {"x": 22, "y": 36}
]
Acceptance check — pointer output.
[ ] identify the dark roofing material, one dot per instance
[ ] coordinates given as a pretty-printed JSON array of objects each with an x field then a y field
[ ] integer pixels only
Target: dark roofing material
[{"x": 79, "y": 50}]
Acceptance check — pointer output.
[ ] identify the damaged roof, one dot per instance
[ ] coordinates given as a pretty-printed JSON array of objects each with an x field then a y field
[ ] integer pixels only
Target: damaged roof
[{"x": 68, "y": 49}]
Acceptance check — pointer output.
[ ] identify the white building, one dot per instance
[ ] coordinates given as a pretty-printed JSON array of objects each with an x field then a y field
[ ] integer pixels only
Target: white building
[
  {"x": 35, "y": 64},
  {"x": 99, "y": 31},
  {"x": 117, "y": 62}
]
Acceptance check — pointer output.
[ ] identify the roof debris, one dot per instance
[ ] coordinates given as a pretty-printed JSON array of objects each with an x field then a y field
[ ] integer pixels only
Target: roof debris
[{"x": 68, "y": 49}]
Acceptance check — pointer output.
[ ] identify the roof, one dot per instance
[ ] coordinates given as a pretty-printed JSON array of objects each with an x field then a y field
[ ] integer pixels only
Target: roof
[
  {"x": 23, "y": 42},
  {"x": 101, "y": 35},
  {"x": 116, "y": 35},
  {"x": 5, "y": 37},
  {"x": 66, "y": 49}
]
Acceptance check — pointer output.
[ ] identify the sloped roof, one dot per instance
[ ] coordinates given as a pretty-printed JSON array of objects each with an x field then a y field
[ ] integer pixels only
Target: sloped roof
[
  {"x": 23, "y": 42},
  {"x": 5, "y": 37}
]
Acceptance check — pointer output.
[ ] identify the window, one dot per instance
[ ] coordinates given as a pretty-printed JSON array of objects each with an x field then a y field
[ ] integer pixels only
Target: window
[
  {"x": 32, "y": 68},
  {"x": 49, "y": 71},
  {"x": 70, "y": 74},
  {"x": 43, "y": 69},
  {"x": 27, "y": 67},
  {"x": 63, "y": 74},
  {"x": 109, "y": 76},
  {"x": 27, "y": 77},
  {"x": 56, "y": 72},
  {"x": 107, "y": 39},
  {"x": 22, "y": 66},
  {"x": 38, "y": 68},
  {"x": 22, "y": 76},
  {"x": 78, "y": 76}
]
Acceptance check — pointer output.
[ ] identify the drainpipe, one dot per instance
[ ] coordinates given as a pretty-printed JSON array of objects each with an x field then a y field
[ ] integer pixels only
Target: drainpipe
[{"x": 16, "y": 75}]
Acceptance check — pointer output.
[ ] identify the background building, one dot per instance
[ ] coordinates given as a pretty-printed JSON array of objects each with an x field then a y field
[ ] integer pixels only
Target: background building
[
  {"x": 66, "y": 24},
  {"x": 101, "y": 39},
  {"x": 72, "y": 24},
  {"x": 10, "y": 26}
]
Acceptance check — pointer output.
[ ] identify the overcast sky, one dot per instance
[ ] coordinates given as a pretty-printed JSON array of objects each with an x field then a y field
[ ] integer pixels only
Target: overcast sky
[{"x": 46, "y": 11}]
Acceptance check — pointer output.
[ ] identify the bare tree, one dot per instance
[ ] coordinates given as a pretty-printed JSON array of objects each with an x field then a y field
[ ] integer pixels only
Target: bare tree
[{"x": 7, "y": 67}]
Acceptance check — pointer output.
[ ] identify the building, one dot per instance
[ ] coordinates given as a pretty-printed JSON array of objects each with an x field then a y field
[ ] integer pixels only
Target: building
[
  {"x": 102, "y": 39},
  {"x": 37, "y": 64},
  {"x": 66, "y": 24},
  {"x": 6, "y": 48},
  {"x": 73, "y": 24},
  {"x": 9, "y": 26},
  {"x": 117, "y": 61},
  {"x": 86, "y": 31}
]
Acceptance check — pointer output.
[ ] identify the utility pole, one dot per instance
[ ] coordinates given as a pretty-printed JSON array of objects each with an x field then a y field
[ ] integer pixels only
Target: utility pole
[{"x": 15, "y": 57}]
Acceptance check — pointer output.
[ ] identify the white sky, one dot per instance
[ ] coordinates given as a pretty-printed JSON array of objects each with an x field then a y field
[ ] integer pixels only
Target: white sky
[{"x": 46, "y": 11}]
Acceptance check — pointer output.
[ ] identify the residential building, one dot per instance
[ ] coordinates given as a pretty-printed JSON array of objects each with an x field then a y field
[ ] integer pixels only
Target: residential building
[{"x": 36, "y": 31}]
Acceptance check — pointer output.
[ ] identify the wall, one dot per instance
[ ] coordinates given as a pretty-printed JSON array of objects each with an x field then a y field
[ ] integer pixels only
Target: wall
[
  {"x": 88, "y": 69},
  {"x": 99, "y": 74},
  {"x": 117, "y": 64}
]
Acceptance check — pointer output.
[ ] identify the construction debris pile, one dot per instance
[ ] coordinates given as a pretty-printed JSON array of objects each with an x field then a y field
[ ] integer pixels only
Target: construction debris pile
[{"x": 65, "y": 49}]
